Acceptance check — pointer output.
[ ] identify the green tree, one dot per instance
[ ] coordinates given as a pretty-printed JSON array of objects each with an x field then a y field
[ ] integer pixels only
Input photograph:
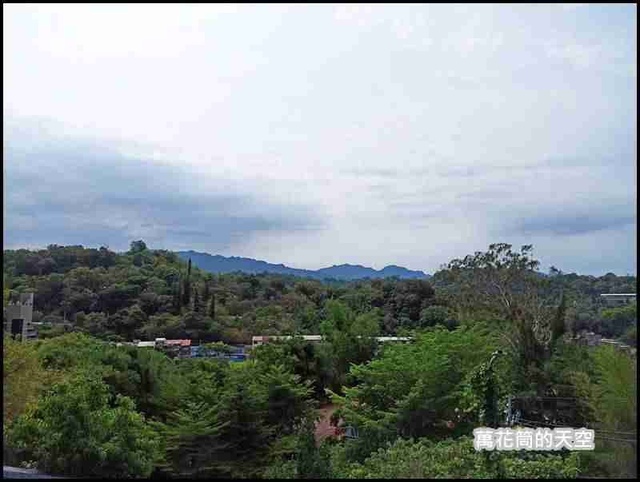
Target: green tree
[
  {"x": 23, "y": 377},
  {"x": 456, "y": 459},
  {"x": 437, "y": 315},
  {"x": 558, "y": 325},
  {"x": 212, "y": 307},
  {"x": 233, "y": 427},
  {"x": 612, "y": 391},
  {"x": 503, "y": 284},
  {"x": 137, "y": 247},
  {"x": 630, "y": 337},
  {"x": 79, "y": 429},
  {"x": 197, "y": 305},
  {"x": 413, "y": 390},
  {"x": 616, "y": 320}
]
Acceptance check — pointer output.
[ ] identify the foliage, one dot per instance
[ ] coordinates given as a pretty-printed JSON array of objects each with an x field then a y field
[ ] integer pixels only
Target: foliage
[
  {"x": 437, "y": 315},
  {"x": 304, "y": 460},
  {"x": 145, "y": 293},
  {"x": 136, "y": 410},
  {"x": 616, "y": 392},
  {"x": 613, "y": 395},
  {"x": 145, "y": 375},
  {"x": 232, "y": 433},
  {"x": 482, "y": 394},
  {"x": 23, "y": 377},
  {"x": 615, "y": 321},
  {"x": 413, "y": 390},
  {"x": 504, "y": 284},
  {"x": 630, "y": 337},
  {"x": 78, "y": 428},
  {"x": 425, "y": 459}
]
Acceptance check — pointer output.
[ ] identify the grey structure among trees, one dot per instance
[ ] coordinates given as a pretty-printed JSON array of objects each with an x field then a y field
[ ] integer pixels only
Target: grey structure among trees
[{"x": 18, "y": 317}]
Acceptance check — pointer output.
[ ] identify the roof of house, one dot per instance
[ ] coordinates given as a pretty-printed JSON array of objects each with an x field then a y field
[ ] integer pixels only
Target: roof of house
[{"x": 178, "y": 342}]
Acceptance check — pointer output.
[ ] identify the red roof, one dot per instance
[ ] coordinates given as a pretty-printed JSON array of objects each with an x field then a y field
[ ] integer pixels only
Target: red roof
[{"x": 178, "y": 342}]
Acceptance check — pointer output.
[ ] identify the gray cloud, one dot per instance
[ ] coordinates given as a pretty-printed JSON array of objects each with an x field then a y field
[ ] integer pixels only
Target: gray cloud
[
  {"x": 318, "y": 135},
  {"x": 70, "y": 191},
  {"x": 573, "y": 223}
]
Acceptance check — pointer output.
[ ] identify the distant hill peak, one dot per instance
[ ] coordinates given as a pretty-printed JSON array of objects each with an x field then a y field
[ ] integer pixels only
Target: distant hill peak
[{"x": 215, "y": 263}]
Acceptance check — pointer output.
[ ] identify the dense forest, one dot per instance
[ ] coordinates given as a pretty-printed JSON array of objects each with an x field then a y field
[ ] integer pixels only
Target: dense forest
[
  {"x": 143, "y": 294},
  {"x": 484, "y": 328}
]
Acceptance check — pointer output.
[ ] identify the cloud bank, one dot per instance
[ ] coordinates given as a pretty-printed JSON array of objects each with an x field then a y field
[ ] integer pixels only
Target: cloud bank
[{"x": 314, "y": 135}]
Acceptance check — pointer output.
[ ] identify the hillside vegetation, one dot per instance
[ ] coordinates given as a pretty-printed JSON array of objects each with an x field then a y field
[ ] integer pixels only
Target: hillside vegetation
[
  {"x": 484, "y": 328},
  {"x": 146, "y": 293}
]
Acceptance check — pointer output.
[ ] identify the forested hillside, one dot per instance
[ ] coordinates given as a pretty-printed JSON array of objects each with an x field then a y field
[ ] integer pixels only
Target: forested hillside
[
  {"x": 144, "y": 294},
  {"x": 488, "y": 329}
]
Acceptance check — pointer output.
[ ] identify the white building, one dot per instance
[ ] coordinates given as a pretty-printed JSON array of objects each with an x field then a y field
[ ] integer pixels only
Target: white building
[
  {"x": 261, "y": 339},
  {"x": 618, "y": 299}
]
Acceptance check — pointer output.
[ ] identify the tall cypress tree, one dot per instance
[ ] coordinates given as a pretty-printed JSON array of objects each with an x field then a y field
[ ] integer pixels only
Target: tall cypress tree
[
  {"x": 205, "y": 291},
  {"x": 186, "y": 292},
  {"x": 212, "y": 306},
  {"x": 196, "y": 301},
  {"x": 186, "y": 288}
]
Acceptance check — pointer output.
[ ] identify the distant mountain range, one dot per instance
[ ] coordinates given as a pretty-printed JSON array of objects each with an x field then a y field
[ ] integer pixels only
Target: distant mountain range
[{"x": 223, "y": 264}]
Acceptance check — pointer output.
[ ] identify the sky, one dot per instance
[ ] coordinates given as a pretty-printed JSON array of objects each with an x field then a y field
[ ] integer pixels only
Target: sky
[{"x": 315, "y": 135}]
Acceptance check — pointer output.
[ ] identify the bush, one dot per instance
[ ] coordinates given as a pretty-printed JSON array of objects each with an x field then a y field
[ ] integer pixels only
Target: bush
[{"x": 79, "y": 429}]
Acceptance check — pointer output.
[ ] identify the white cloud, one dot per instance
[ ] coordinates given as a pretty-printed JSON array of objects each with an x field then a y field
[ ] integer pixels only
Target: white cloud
[
  {"x": 572, "y": 6},
  {"x": 284, "y": 101},
  {"x": 581, "y": 56}
]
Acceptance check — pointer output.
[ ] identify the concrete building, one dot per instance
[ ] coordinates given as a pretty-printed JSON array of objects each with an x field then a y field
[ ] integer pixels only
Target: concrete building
[
  {"x": 259, "y": 340},
  {"x": 146, "y": 344},
  {"x": 19, "y": 318},
  {"x": 619, "y": 299}
]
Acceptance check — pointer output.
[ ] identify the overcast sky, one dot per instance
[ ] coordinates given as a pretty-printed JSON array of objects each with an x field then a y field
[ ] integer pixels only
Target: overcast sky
[{"x": 313, "y": 135}]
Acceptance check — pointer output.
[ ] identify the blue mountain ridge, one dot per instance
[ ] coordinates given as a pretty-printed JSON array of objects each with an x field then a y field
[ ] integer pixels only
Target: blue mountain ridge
[{"x": 221, "y": 264}]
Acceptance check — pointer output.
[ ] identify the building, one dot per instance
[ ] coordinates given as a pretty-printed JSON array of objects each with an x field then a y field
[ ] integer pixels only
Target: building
[
  {"x": 618, "y": 299},
  {"x": 385, "y": 339},
  {"x": 173, "y": 348},
  {"x": 19, "y": 318},
  {"x": 177, "y": 348},
  {"x": 235, "y": 353},
  {"x": 261, "y": 339},
  {"x": 146, "y": 344}
]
